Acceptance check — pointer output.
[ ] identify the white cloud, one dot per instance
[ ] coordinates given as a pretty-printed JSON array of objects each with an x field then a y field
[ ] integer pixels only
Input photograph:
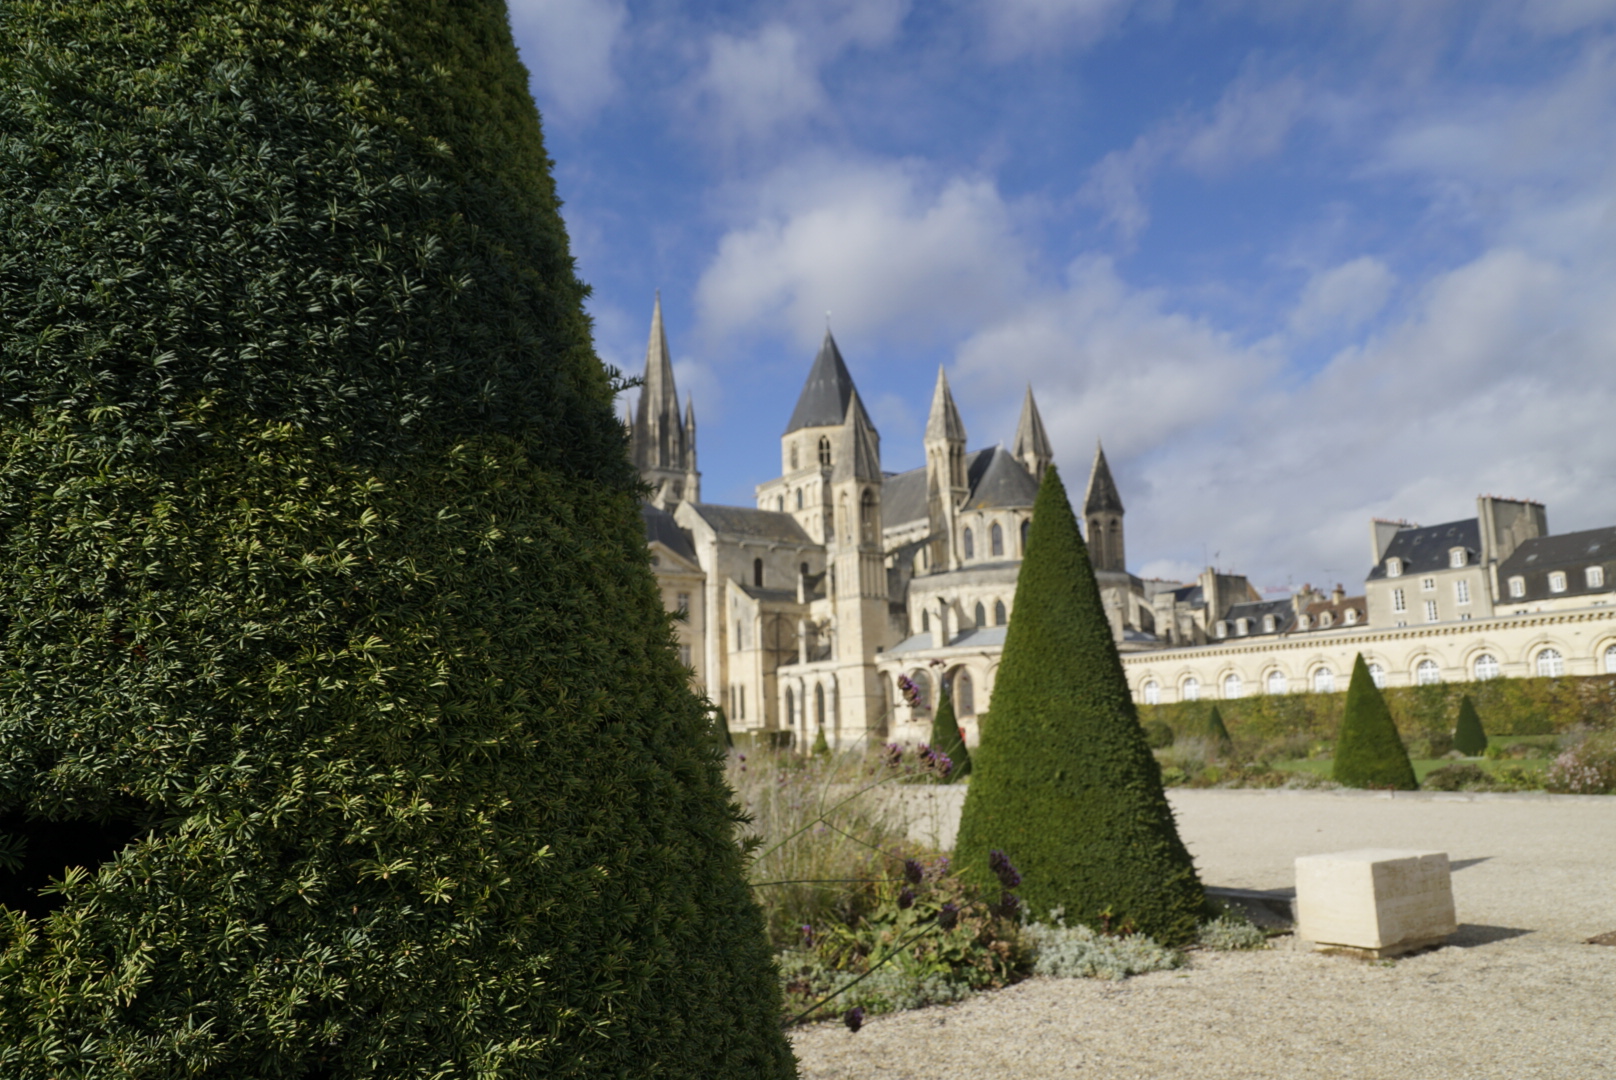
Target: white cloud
[
  {"x": 1017, "y": 27},
  {"x": 886, "y": 251},
  {"x": 567, "y": 46},
  {"x": 753, "y": 85},
  {"x": 1249, "y": 122},
  {"x": 1343, "y": 297}
]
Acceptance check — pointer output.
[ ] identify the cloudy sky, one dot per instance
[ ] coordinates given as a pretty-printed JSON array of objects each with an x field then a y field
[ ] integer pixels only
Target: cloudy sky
[{"x": 1298, "y": 263}]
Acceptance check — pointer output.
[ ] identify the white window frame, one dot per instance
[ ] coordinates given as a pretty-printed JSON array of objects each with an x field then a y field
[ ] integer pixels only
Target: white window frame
[
  {"x": 1268, "y": 624},
  {"x": 1233, "y": 685},
  {"x": 1594, "y": 576},
  {"x": 1377, "y": 675},
  {"x": 1351, "y": 618},
  {"x": 1242, "y": 627},
  {"x": 1550, "y": 663},
  {"x": 1394, "y": 567},
  {"x": 1151, "y": 692},
  {"x": 1610, "y": 660},
  {"x": 1486, "y": 667},
  {"x": 1557, "y": 582},
  {"x": 1221, "y": 629},
  {"x": 1461, "y": 593},
  {"x": 1458, "y": 557},
  {"x": 1190, "y": 690},
  {"x": 1427, "y": 584},
  {"x": 1427, "y": 673},
  {"x": 1517, "y": 588},
  {"x": 1276, "y": 682},
  {"x": 1323, "y": 681},
  {"x": 1399, "y": 601},
  {"x": 1430, "y": 611}
]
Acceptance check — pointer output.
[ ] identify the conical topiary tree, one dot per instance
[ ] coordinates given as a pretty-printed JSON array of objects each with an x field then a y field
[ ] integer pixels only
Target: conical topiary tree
[
  {"x": 821, "y": 746},
  {"x": 1369, "y": 753},
  {"x": 1063, "y": 782},
  {"x": 1468, "y": 736},
  {"x": 331, "y": 650},
  {"x": 945, "y": 736},
  {"x": 1216, "y": 732}
]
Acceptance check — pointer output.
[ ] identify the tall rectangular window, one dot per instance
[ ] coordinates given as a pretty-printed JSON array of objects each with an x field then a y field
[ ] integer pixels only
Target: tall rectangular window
[
  {"x": 1595, "y": 576},
  {"x": 684, "y": 603},
  {"x": 1517, "y": 587},
  {"x": 1399, "y": 602},
  {"x": 1430, "y": 611},
  {"x": 1461, "y": 592},
  {"x": 1557, "y": 582}
]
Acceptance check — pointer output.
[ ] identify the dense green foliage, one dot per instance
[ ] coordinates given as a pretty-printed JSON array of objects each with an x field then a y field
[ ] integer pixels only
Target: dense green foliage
[
  {"x": 945, "y": 737},
  {"x": 1216, "y": 732},
  {"x": 1158, "y": 735},
  {"x": 1468, "y": 737},
  {"x": 1369, "y": 753},
  {"x": 324, "y": 579},
  {"x": 1535, "y": 706},
  {"x": 1064, "y": 783}
]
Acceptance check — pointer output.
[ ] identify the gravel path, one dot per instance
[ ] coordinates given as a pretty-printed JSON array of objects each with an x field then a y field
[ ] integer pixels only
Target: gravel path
[{"x": 1515, "y": 996}]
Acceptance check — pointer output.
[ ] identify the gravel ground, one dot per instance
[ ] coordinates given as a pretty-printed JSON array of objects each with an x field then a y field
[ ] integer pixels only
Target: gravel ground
[{"x": 1516, "y": 995}]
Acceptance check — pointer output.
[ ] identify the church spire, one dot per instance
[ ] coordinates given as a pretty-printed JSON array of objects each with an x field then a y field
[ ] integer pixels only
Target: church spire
[
  {"x": 1032, "y": 447},
  {"x": 1102, "y": 494},
  {"x": 824, "y": 398},
  {"x": 945, "y": 473},
  {"x": 664, "y": 449},
  {"x": 944, "y": 421},
  {"x": 1102, "y": 511}
]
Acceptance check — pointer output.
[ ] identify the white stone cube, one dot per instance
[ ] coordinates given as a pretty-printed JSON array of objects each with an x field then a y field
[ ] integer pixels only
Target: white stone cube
[{"x": 1375, "y": 902}]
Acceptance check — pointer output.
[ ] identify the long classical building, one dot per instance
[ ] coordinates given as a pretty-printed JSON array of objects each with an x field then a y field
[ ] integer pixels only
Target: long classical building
[{"x": 800, "y": 613}]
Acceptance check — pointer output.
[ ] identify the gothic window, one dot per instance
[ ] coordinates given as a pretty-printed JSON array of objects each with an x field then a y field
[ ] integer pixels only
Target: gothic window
[
  {"x": 799, "y": 498},
  {"x": 1550, "y": 664},
  {"x": 925, "y": 621},
  {"x": 867, "y": 516},
  {"x": 1427, "y": 673},
  {"x": 996, "y": 535},
  {"x": 1025, "y": 525},
  {"x": 1517, "y": 587},
  {"x": 802, "y": 568},
  {"x": 791, "y": 708},
  {"x": 981, "y": 614},
  {"x": 1152, "y": 692},
  {"x": 1377, "y": 675},
  {"x": 793, "y": 455},
  {"x": 998, "y": 613},
  {"x": 824, "y": 451},
  {"x": 757, "y": 572},
  {"x": 970, "y": 544},
  {"x": 1231, "y": 686},
  {"x": 1486, "y": 666},
  {"x": 819, "y": 704},
  {"x": 964, "y": 695},
  {"x": 1324, "y": 681},
  {"x": 780, "y": 503},
  {"x": 1277, "y": 683},
  {"x": 847, "y": 523},
  {"x": 1192, "y": 689},
  {"x": 741, "y": 713}
]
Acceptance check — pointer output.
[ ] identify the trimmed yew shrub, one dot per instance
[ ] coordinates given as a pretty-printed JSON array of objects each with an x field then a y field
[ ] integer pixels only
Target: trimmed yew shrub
[
  {"x": 1216, "y": 733},
  {"x": 1064, "y": 784},
  {"x": 1369, "y": 753},
  {"x": 945, "y": 736},
  {"x": 336, "y": 689},
  {"x": 1468, "y": 737}
]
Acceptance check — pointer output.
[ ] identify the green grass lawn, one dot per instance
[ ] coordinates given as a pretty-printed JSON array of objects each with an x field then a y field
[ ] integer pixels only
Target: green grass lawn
[{"x": 1422, "y": 766}]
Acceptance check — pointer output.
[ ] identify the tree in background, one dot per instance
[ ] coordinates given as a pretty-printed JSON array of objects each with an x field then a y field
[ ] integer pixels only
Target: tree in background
[
  {"x": 1468, "y": 736},
  {"x": 1369, "y": 752},
  {"x": 331, "y": 651},
  {"x": 945, "y": 737},
  {"x": 1064, "y": 783},
  {"x": 1216, "y": 732}
]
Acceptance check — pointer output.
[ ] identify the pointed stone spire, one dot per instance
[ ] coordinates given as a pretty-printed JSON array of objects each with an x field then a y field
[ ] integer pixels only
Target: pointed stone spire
[
  {"x": 944, "y": 421},
  {"x": 1032, "y": 447},
  {"x": 656, "y": 427},
  {"x": 824, "y": 398},
  {"x": 1102, "y": 496}
]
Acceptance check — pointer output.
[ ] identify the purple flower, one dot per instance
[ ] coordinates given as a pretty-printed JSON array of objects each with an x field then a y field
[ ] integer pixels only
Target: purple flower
[
  {"x": 1009, "y": 905},
  {"x": 893, "y": 754},
  {"x": 807, "y": 935},
  {"x": 912, "y": 871},
  {"x": 1000, "y": 864},
  {"x": 906, "y": 899},
  {"x": 948, "y": 916},
  {"x": 942, "y": 763},
  {"x": 854, "y": 1018}
]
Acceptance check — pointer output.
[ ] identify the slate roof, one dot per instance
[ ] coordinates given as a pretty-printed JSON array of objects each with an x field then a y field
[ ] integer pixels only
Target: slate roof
[
  {"x": 976, "y": 637},
  {"x": 661, "y": 527},
  {"x": 1102, "y": 494},
  {"x": 997, "y": 480},
  {"x": 1570, "y": 553},
  {"x": 1284, "y": 616},
  {"x": 1425, "y": 548},
  {"x": 903, "y": 498},
  {"x": 824, "y": 398},
  {"x": 753, "y": 524}
]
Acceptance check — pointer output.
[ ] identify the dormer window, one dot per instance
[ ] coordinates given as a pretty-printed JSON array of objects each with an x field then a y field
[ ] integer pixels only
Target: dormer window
[
  {"x": 1351, "y": 616},
  {"x": 1242, "y": 627},
  {"x": 1394, "y": 567},
  {"x": 1517, "y": 587},
  {"x": 1557, "y": 582},
  {"x": 1595, "y": 577},
  {"x": 1222, "y": 629},
  {"x": 1326, "y": 619},
  {"x": 1268, "y": 624},
  {"x": 1303, "y": 622},
  {"x": 1458, "y": 557}
]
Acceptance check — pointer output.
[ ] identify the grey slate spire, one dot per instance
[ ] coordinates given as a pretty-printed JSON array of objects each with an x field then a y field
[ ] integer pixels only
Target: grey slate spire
[
  {"x": 1102, "y": 512},
  {"x": 1102, "y": 495},
  {"x": 1032, "y": 447},
  {"x": 663, "y": 448},
  {"x": 824, "y": 398},
  {"x": 944, "y": 421}
]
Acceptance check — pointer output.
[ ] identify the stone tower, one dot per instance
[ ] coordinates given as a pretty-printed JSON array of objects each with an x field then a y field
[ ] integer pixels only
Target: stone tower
[
  {"x": 663, "y": 446},
  {"x": 945, "y": 473},
  {"x": 1102, "y": 514},
  {"x": 1032, "y": 447}
]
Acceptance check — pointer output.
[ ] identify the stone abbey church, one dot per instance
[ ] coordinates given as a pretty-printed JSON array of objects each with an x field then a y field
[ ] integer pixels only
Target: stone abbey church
[{"x": 800, "y": 613}]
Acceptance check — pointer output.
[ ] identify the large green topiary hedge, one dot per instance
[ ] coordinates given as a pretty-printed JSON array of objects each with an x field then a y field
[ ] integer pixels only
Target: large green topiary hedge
[
  {"x": 330, "y": 648},
  {"x": 945, "y": 736},
  {"x": 1063, "y": 782},
  {"x": 1370, "y": 753}
]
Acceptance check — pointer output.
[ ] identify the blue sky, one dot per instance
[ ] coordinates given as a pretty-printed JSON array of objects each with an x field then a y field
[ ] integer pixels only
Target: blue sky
[{"x": 1297, "y": 263}]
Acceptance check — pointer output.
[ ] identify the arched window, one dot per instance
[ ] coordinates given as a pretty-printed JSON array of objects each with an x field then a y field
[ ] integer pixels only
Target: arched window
[
  {"x": 793, "y": 455},
  {"x": 824, "y": 451},
  {"x": 802, "y": 568},
  {"x": 847, "y": 521},
  {"x": 819, "y": 704},
  {"x": 1486, "y": 666},
  {"x": 1152, "y": 692},
  {"x": 1324, "y": 681},
  {"x": 998, "y": 613},
  {"x": 780, "y": 503},
  {"x": 964, "y": 695},
  {"x": 791, "y": 708},
  {"x": 1231, "y": 686},
  {"x": 1377, "y": 675},
  {"x": 757, "y": 572},
  {"x": 981, "y": 614},
  {"x": 1277, "y": 683},
  {"x": 1610, "y": 660},
  {"x": 1192, "y": 689},
  {"x": 1025, "y": 525},
  {"x": 970, "y": 544},
  {"x": 799, "y": 498},
  {"x": 996, "y": 535},
  {"x": 922, "y": 683},
  {"x": 867, "y": 516},
  {"x": 1427, "y": 673},
  {"x": 925, "y": 620},
  {"x": 1550, "y": 664}
]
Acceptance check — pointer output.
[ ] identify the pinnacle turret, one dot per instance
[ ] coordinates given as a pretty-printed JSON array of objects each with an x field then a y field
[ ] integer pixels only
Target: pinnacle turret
[{"x": 1031, "y": 446}]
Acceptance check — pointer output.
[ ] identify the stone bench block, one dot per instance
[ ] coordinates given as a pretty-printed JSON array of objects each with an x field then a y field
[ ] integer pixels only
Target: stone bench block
[{"x": 1376, "y": 902}]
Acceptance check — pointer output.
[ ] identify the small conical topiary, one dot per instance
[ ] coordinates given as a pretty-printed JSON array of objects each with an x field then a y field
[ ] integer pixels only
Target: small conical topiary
[
  {"x": 1216, "y": 733},
  {"x": 945, "y": 736},
  {"x": 821, "y": 746},
  {"x": 334, "y": 666},
  {"x": 1369, "y": 753},
  {"x": 1063, "y": 781},
  {"x": 1468, "y": 736}
]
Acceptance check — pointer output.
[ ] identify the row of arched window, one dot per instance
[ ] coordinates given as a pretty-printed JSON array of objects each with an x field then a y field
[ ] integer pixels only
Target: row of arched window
[
  {"x": 995, "y": 540},
  {"x": 1547, "y": 662}
]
